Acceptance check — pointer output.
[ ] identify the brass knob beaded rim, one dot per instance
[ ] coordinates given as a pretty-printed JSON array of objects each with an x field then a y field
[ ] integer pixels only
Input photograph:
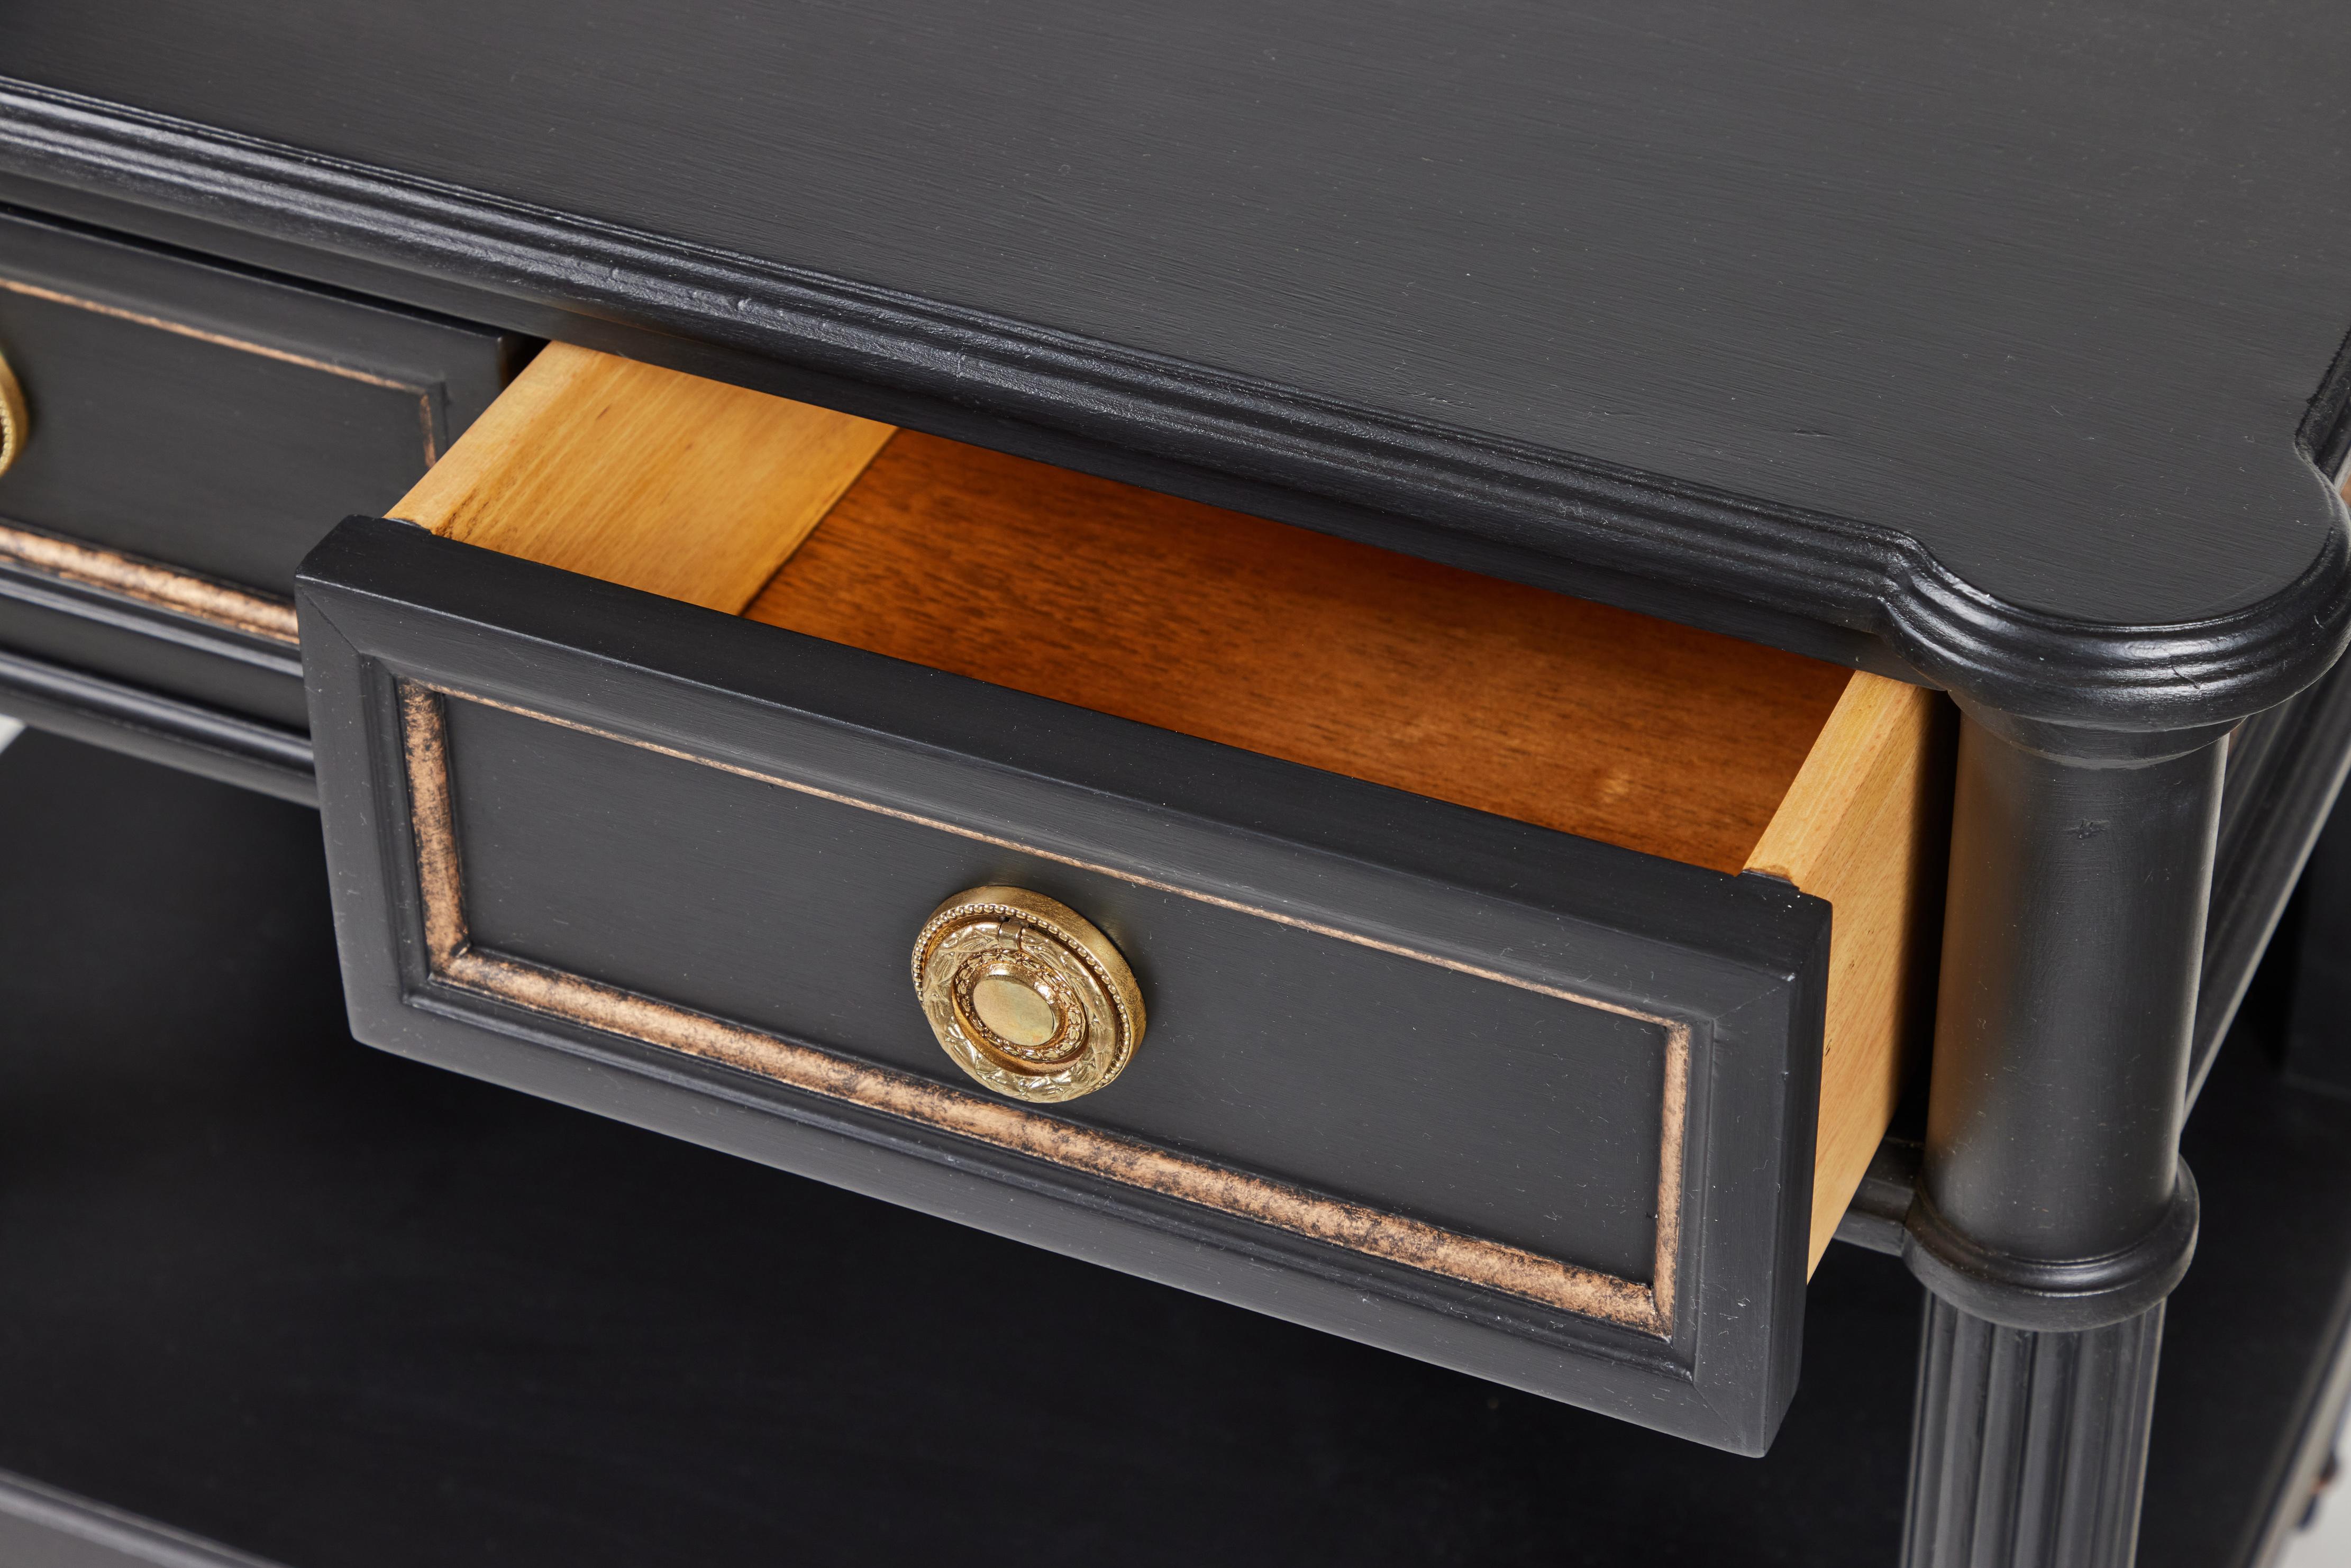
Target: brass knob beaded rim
[
  {"x": 1026, "y": 995},
  {"x": 13, "y": 424}
]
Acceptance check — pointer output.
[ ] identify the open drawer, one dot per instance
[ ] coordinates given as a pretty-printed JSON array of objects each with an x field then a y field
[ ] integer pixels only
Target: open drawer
[{"x": 1454, "y": 960}]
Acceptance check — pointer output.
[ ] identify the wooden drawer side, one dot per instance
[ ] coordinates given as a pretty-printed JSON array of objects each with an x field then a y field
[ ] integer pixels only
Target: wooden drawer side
[
  {"x": 689, "y": 489},
  {"x": 1864, "y": 828}
]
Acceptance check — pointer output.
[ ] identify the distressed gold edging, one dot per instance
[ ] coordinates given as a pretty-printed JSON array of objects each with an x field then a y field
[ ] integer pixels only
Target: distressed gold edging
[
  {"x": 452, "y": 958},
  {"x": 181, "y": 328},
  {"x": 938, "y": 825},
  {"x": 200, "y": 599}
]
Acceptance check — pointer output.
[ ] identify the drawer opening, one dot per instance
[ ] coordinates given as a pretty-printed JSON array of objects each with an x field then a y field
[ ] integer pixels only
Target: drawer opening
[{"x": 1557, "y": 712}]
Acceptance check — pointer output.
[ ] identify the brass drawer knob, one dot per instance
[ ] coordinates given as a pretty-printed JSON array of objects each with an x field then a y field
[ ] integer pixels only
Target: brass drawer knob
[
  {"x": 13, "y": 421},
  {"x": 1026, "y": 995}
]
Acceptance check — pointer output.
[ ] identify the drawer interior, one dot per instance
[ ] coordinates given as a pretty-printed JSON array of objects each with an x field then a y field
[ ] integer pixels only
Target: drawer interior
[
  {"x": 1275, "y": 639},
  {"x": 1512, "y": 700}
]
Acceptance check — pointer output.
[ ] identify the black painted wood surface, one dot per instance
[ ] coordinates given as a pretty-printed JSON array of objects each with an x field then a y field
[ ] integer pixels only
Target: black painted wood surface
[
  {"x": 1457, "y": 1100},
  {"x": 1744, "y": 299},
  {"x": 99, "y": 636},
  {"x": 2286, "y": 768},
  {"x": 1315, "y": 1054},
  {"x": 42, "y": 1527},
  {"x": 135, "y": 721},
  {"x": 2317, "y": 1045},
  {"x": 2253, "y": 1374},
  {"x": 213, "y": 419}
]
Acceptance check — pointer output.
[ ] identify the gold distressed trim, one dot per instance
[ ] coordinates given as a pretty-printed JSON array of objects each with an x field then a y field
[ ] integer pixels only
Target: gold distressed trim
[
  {"x": 200, "y": 599},
  {"x": 453, "y": 959},
  {"x": 181, "y": 328},
  {"x": 939, "y": 825}
]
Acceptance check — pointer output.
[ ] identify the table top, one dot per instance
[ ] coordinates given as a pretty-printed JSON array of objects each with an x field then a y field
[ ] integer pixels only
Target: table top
[{"x": 2001, "y": 335}]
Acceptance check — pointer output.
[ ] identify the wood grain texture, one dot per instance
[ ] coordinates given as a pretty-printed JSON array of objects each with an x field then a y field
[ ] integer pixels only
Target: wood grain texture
[
  {"x": 1554, "y": 711},
  {"x": 1932, "y": 271},
  {"x": 1864, "y": 827},
  {"x": 685, "y": 487}
]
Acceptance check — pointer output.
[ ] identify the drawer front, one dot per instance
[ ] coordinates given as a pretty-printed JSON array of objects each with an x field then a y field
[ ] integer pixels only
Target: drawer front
[
  {"x": 1512, "y": 1101},
  {"x": 193, "y": 429}
]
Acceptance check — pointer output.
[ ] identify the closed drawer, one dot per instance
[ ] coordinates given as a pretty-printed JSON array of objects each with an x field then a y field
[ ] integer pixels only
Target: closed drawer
[
  {"x": 1490, "y": 1004},
  {"x": 190, "y": 425}
]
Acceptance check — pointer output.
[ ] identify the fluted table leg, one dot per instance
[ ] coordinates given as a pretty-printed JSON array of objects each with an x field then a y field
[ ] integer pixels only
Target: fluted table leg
[{"x": 2031, "y": 1447}]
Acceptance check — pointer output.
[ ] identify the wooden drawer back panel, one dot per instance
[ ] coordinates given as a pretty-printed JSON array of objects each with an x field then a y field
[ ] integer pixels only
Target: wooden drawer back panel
[{"x": 1554, "y": 711}]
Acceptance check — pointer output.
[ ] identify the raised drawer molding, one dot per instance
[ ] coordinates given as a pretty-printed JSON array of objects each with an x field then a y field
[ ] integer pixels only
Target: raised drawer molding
[
  {"x": 194, "y": 428},
  {"x": 1497, "y": 1011}
]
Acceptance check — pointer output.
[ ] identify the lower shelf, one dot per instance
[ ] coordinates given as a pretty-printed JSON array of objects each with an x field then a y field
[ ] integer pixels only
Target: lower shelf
[{"x": 337, "y": 1309}]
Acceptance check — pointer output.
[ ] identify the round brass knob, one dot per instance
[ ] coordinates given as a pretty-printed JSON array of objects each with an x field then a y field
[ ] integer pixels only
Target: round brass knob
[
  {"x": 1025, "y": 994},
  {"x": 13, "y": 423}
]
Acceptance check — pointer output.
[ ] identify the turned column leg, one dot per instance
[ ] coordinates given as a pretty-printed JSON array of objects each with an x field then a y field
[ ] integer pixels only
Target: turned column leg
[{"x": 2053, "y": 1215}]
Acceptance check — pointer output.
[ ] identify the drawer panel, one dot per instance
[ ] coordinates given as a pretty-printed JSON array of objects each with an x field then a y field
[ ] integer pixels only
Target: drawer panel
[
  {"x": 1571, "y": 1113},
  {"x": 194, "y": 428},
  {"x": 1500, "y": 1110},
  {"x": 193, "y": 414}
]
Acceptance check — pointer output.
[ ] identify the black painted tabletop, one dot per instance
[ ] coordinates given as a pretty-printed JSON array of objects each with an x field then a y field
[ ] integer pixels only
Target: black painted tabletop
[{"x": 2048, "y": 289}]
